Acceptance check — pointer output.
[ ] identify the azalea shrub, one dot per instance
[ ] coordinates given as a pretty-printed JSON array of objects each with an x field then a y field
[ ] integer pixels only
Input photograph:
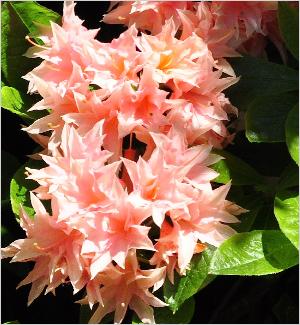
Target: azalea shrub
[{"x": 164, "y": 152}]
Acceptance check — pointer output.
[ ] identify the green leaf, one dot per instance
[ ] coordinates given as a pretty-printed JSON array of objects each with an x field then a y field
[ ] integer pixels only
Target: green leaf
[
  {"x": 289, "y": 26},
  {"x": 257, "y": 252},
  {"x": 259, "y": 78},
  {"x": 17, "y": 102},
  {"x": 164, "y": 315},
  {"x": 20, "y": 188},
  {"x": 13, "y": 45},
  {"x": 289, "y": 177},
  {"x": 286, "y": 209},
  {"x": 235, "y": 169},
  {"x": 33, "y": 15},
  {"x": 18, "y": 19},
  {"x": 266, "y": 117},
  {"x": 292, "y": 133},
  {"x": 186, "y": 286}
]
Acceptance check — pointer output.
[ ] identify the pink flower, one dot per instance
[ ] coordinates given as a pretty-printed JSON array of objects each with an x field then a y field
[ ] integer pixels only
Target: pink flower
[
  {"x": 204, "y": 223},
  {"x": 113, "y": 234},
  {"x": 165, "y": 90},
  {"x": 173, "y": 59},
  {"x": 147, "y": 15},
  {"x": 77, "y": 174},
  {"x": 129, "y": 287},
  {"x": 164, "y": 182},
  {"x": 111, "y": 64},
  {"x": 226, "y": 25},
  {"x": 53, "y": 247}
]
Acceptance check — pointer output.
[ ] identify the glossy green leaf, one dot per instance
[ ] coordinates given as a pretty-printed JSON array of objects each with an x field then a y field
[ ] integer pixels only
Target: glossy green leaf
[
  {"x": 20, "y": 187},
  {"x": 286, "y": 209},
  {"x": 292, "y": 133},
  {"x": 13, "y": 45},
  {"x": 289, "y": 177},
  {"x": 17, "y": 103},
  {"x": 235, "y": 169},
  {"x": 289, "y": 26},
  {"x": 266, "y": 116},
  {"x": 18, "y": 19},
  {"x": 259, "y": 78},
  {"x": 33, "y": 15},
  {"x": 186, "y": 286},
  {"x": 165, "y": 316},
  {"x": 258, "y": 252}
]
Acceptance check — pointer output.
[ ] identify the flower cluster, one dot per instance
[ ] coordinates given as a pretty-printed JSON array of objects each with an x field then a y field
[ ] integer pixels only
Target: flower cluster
[{"x": 157, "y": 90}]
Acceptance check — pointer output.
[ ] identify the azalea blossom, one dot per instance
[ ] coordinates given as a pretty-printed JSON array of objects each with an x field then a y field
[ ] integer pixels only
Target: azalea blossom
[
  {"x": 188, "y": 232},
  {"x": 128, "y": 287},
  {"x": 128, "y": 142},
  {"x": 146, "y": 15},
  {"x": 56, "y": 255}
]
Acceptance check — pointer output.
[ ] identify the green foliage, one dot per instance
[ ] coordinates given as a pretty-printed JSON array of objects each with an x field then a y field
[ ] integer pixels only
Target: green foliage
[
  {"x": 20, "y": 188},
  {"x": 289, "y": 177},
  {"x": 18, "y": 19},
  {"x": 258, "y": 252},
  {"x": 260, "y": 78},
  {"x": 34, "y": 16},
  {"x": 286, "y": 209},
  {"x": 266, "y": 116},
  {"x": 17, "y": 102},
  {"x": 289, "y": 26},
  {"x": 292, "y": 133},
  {"x": 235, "y": 169},
  {"x": 186, "y": 286}
]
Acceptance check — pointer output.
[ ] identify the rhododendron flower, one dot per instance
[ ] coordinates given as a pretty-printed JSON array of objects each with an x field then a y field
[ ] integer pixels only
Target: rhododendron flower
[
  {"x": 53, "y": 247},
  {"x": 113, "y": 234},
  {"x": 128, "y": 287},
  {"x": 77, "y": 174},
  {"x": 165, "y": 183},
  {"x": 204, "y": 223},
  {"x": 147, "y": 15},
  {"x": 110, "y": 202},
  {"x": 172, "y": 58},
  {"x": 226, "y": 25}
]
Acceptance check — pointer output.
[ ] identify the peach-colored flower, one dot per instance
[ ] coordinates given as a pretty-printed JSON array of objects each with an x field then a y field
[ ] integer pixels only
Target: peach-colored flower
[
  {"x": 113, "y": 234},
  {"x": 204, "y": 223},
  {"x": 53, "y": 247},
  {"x": 226, "y": 25},
  {"x": 77, "y": 175},
  {"x": 164, "y": 183},
  {"x": 129, "y": 287},
  {"x": 146, "y": 15},
  {"x": 179, "y": 60}
]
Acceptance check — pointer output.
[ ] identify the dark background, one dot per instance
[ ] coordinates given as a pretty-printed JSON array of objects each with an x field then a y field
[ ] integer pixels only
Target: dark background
[{"x": 228, "y": 299}]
